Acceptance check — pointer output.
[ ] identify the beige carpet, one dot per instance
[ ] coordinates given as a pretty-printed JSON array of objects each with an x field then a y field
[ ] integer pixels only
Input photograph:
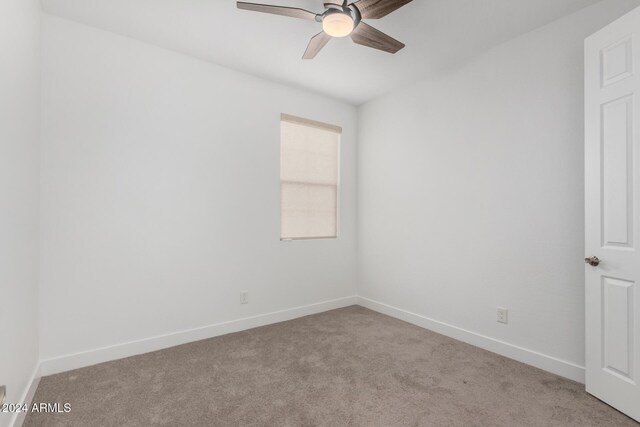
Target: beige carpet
[{"x": 347, "y": 367}]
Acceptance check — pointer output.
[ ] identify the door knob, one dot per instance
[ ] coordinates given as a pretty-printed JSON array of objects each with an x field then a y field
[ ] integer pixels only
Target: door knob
[{"x": 593, "y": 261}]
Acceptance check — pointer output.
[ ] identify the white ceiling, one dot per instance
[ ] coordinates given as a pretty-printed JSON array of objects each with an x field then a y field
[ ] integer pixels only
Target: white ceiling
[{"x": 438, "y": 33}]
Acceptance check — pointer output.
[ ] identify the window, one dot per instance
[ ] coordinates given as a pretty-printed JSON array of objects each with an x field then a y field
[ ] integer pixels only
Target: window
[{"x": 309, "y": 166}]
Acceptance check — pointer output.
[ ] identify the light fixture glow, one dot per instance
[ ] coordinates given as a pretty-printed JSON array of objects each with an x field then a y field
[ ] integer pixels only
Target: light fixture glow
[{"x": 337, "y": 24}]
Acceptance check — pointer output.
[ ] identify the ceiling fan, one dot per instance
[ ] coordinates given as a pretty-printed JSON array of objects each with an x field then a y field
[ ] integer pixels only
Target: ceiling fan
[{"x": 341, "y": 19}]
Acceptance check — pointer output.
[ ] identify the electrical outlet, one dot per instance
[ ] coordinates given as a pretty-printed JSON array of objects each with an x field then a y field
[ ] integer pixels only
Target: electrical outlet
[
  {"x": 503, "y": 315},
  {"x": 244, "y": 297}
]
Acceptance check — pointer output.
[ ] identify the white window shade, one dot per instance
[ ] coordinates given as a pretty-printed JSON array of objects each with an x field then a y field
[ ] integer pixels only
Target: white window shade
[{"x": 309, "y": 171}]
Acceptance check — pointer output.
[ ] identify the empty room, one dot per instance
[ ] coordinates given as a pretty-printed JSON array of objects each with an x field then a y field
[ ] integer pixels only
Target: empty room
[{"x": 319, "y": 213}]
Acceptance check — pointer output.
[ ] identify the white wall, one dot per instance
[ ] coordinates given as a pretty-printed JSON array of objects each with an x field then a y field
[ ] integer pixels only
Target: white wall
[
  {"x": 19, "y": 136},
  {"x": 160, "y": 194},
  {"x": 471, "y": 191}
]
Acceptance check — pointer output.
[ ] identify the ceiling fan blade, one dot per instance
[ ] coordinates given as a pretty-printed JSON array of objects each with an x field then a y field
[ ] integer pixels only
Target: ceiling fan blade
[
  {"x": 293, "y": 12},
  {"x": 316, "y": 44},
  {"x": 376, "y": 9},
  {"x": 368, "y": 36}
]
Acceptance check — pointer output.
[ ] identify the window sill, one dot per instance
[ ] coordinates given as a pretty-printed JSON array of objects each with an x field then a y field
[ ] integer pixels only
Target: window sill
[{"x": 294, "y": 239}]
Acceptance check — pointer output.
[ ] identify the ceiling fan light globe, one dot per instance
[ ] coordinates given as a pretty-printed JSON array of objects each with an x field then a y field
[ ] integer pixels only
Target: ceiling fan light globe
[{"x": 338, "y": 24}]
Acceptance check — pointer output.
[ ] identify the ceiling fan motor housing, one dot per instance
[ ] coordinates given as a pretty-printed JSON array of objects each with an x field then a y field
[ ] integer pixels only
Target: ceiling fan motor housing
[{"x": 350, "y": 10}]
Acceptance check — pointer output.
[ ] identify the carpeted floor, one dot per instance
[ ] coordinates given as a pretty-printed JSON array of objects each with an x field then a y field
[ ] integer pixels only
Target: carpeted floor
[{"x": 347, "y": 367}]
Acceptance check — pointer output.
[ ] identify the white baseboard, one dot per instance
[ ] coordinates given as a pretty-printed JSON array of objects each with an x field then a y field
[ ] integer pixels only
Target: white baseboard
[
  {"x": 27, "y": 397},
  {"x": 524, "y": 355},
  {"x": 119, "y": 351},
  {"x": 106, "y": 354}
]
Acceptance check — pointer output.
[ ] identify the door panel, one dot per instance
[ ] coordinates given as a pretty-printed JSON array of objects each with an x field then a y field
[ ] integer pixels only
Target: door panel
[
  {"x": 612, "y": 147},
  {"x": 617, "y": 62},
  {"x": 618, "y": 317},
  {"x": 617, "y": 172}
]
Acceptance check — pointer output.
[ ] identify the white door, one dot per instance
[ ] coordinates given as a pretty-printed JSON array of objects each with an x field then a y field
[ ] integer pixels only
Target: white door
[{"x": 612, "y": 60}]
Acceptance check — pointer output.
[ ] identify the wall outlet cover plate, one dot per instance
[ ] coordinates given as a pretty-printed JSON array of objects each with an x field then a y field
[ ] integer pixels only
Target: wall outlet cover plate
[{"x": 502, "y": 315}]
